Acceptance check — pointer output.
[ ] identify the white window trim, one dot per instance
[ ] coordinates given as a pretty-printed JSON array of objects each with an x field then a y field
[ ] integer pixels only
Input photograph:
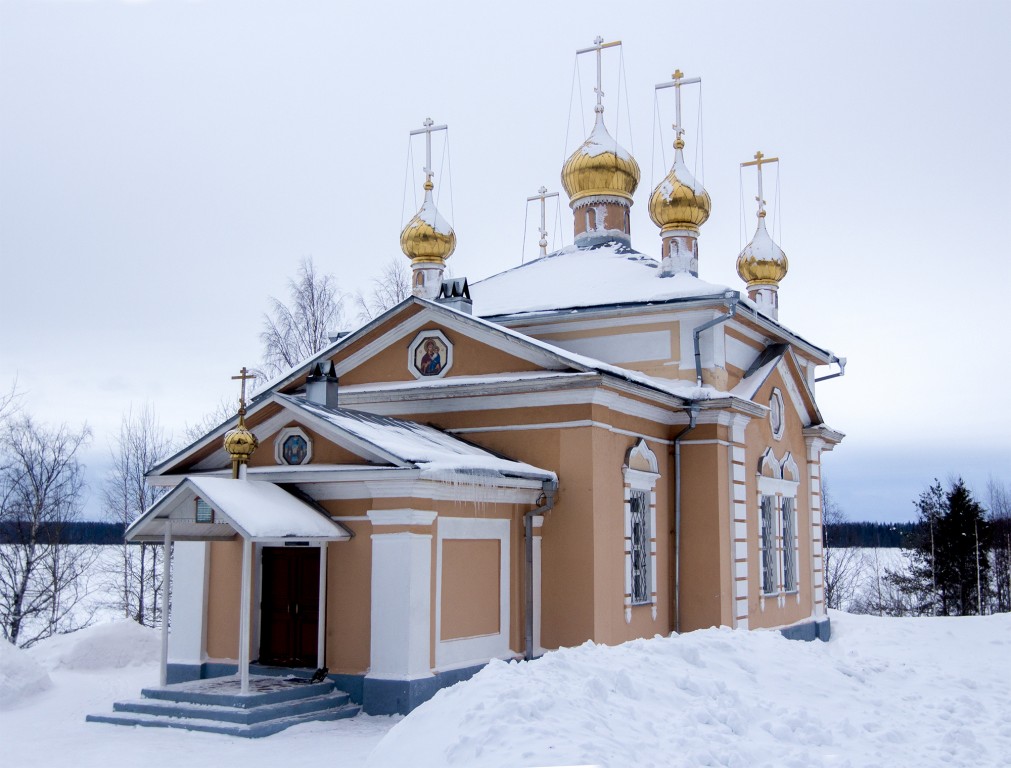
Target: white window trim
[
  {"x": 283, "y": 435},
  {"x": 645, "y": 481},
  {"x": 412, "y": 350},
  {"x": 778, "y": 488},
  {"x": 777, "y": 397}
]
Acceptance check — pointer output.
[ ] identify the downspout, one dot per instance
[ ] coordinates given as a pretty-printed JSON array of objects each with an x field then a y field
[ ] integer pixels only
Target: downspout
[
  {"x": 732, "y": 305},
  {"x": 693, "y": 413},
  {"x": 548, "y": 490},
  {"x": 842, "y": 369}
]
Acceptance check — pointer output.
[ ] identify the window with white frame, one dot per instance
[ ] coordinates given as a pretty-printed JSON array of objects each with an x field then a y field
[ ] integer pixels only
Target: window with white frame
[
  {"x": 641, "y": 472},
  {"x": 789, "y": 549},
  {"x": 639, "y": 545},
  {"x": 777, "y": 488},
  {"x": 768, "y": 545}
]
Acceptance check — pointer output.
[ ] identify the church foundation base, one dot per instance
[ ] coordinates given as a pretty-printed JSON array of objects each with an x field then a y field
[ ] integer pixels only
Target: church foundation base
[
  {"x": 809, "y": 631},
  {"x": 377, "y": 696},
  {"x": 398, "y": 697}
]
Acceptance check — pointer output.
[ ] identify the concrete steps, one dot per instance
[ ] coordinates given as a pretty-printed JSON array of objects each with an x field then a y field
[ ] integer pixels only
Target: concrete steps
[{"x": 215, "y": 706}]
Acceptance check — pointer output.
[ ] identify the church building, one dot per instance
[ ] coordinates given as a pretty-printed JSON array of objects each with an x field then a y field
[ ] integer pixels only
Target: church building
[{"x": 595, "y": 445}]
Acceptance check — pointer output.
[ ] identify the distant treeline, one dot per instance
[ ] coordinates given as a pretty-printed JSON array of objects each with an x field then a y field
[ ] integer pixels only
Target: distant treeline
[
  {"x": 82, "y": 532},
  {"x": 867, "y": 534}
]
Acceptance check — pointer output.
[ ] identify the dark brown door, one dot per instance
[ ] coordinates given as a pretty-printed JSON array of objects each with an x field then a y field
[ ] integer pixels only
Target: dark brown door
[{"x": 289, "y": 608}]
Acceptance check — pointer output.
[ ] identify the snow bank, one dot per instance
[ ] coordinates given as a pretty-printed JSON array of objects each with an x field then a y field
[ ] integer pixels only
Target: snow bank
[
  {"x": 20, "y": 676},
  {"x": 113, "y": 645},
  {"x": 923, "y": 692}
]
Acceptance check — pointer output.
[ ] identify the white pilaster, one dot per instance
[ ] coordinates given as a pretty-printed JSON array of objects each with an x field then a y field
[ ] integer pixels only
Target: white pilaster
[
  {"x": 190, "y": 571},
  {"x": 401, "y": 605},
  {"x": 166, "y": 609}
]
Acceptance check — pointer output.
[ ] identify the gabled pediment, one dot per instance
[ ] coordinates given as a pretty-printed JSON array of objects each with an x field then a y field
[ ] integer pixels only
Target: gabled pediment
[
  {"x": 780, "y": 360},
  {"x": 418, "y": 341}
]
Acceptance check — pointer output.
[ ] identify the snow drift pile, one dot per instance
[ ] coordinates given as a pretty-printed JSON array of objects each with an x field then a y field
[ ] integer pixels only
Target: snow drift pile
[
  {"x": 20, "y": 676},
  {"x": 876, "y": 695},
  {"x": 114, "y": 645}
]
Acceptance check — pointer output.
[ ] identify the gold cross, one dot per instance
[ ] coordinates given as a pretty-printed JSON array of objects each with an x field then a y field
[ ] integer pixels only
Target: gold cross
[{"x": 243, "y": 376}]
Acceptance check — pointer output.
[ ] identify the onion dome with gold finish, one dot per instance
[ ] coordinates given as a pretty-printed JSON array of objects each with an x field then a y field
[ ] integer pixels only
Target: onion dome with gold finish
[
  {"x": 762, "y": 262},
  {"x": 600, "y": 167},
  {"x": 240, "y": 443},
  {"x": 428, "y": 237},
  {"x": 679, "y": 202}
]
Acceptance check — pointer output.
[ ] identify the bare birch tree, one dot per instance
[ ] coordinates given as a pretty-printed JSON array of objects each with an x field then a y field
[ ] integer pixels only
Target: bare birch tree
[
  {"x": 999, "y": 515},
  {"x": 296, "y": 331},
  {"x": 41, "y": 485},
  {"x": 391, "y": 287},
  {"x": 843, "y": 565},
  {"x": 139, "y": 568}
]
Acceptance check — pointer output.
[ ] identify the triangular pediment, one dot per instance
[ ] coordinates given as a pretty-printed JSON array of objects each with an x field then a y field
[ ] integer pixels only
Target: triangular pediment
[
  {"x": 778, "y": 366},
  {"x": 422, "y": 341}
]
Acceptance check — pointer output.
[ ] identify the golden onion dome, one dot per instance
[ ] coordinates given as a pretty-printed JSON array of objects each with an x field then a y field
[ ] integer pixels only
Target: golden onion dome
[
  {"x": 428, "y": 237},
  {"x": 240, "y": 442},
  {"x": 762, "y": 262},
  {"x": 600, "y": 167},
  {"x": 679, "y": 201}
]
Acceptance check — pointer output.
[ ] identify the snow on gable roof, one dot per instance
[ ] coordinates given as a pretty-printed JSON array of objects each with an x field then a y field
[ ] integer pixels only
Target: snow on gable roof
[
  {"x": 796, "y": 383},
  {"x": 611, "y": 273},
  {"x": 256, "y": 510},
  {"x": 434, "y": 452},
  {"x": 465, "y": 322}
]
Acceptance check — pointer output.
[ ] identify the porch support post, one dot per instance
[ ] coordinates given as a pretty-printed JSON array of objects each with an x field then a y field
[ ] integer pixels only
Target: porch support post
[
  {"x": 247, "y": 547},
  {"x": 321, "y": 637},
  {"x": 165, "y": 583}
]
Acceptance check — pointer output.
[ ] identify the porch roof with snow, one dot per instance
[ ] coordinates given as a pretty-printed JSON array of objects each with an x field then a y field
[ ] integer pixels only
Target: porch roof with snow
[{"x": 255, "y": 510}]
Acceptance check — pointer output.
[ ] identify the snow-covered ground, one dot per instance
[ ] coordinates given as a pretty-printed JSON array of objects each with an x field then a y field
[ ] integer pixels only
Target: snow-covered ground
[{"x": 884, "y": 691}]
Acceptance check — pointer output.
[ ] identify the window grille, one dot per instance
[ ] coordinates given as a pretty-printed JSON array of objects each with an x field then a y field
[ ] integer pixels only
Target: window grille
[
  {"x": 789, "y": 548},
  {"x": 205, "y": 514},
  {"x": 639, "y": 518},
  {"x": 768, "y": 545}
]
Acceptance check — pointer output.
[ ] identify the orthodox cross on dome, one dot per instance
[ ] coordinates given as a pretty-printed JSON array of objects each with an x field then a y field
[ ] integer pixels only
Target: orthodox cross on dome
[
  {"x": 758, "y": 162},
  {"x": 677, "y": 80},
  {"x": 428, "y": 128},
  {"x": 598, "y": 46},
  {"x": 243, "y": 376},
  {"x": 543, "y": 195}
]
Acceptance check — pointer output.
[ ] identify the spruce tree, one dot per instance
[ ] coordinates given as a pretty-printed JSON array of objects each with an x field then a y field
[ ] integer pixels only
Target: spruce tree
[{"x": 949, "y": 573}]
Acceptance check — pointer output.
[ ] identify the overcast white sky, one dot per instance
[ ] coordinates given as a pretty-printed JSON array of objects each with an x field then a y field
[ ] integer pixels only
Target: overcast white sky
[{"x": 165, "y": 165}]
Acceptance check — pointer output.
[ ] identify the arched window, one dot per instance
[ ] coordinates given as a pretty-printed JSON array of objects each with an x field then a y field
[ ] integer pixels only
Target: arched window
[
  {"x": 778, "y": 481},
  {"x": 641, "y": 473},
  {"x": 591, "y": 219},
  {"x": 419, "y": 279},
  {"x": 628, "y": 228}
]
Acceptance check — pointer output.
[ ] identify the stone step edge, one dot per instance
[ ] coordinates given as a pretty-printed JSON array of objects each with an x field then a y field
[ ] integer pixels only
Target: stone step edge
[
  {"x": 254, "y": 731},
  {"x": 237, "y": 701},
  {"x": 226, "y": 714}
]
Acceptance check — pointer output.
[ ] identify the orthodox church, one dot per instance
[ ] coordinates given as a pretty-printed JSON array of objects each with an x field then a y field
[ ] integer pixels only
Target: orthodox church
[{"x": 595, "y": 445}]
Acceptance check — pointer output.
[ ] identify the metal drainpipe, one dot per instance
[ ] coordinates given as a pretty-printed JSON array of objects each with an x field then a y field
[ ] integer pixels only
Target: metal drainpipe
[
  {"x": 693, "y": 413},
  {"x": 842, "y": 369},
  {"x": 548, "y": 490},
  {"x": 732, "y": 305}
]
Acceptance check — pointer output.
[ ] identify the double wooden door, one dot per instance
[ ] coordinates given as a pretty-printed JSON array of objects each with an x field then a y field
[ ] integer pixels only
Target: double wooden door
[{"x": 289, "y": 607}]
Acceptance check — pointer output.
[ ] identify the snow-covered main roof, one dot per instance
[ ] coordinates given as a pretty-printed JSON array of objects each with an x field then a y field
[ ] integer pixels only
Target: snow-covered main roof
[{"x": 571, "y": 278}]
